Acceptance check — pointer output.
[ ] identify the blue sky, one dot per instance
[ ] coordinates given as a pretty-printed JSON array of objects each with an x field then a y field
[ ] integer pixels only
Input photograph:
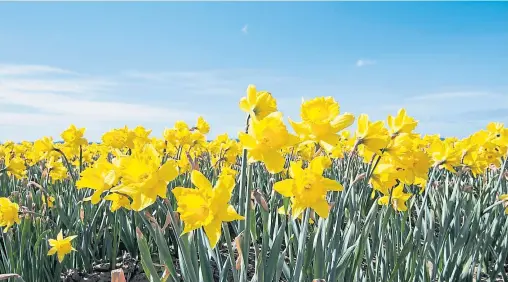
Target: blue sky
[{"x": 106, "y": 65}]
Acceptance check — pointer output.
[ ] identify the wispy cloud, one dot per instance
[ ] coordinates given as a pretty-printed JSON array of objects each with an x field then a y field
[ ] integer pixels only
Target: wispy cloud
[
  {"x": 68, "y": 85},
  {"x": 364, "y": 62},
  {"x": 41, "y": 101},
  {"x": 245, "y": 29},
  {"x": 450, "y": 95},
  {"x": 452, "y": 113},
  {"x": 45, "y": 104},
  {"x": 13, "y": 69},
  {"x": 38, "y": 105}
]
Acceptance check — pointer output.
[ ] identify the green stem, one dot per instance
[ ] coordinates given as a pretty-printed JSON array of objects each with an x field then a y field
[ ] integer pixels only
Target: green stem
[
  {"x": 417, "y": 230},
  {"x": 225, "y": 227},
  {"x": 246, "y": 231},
  {"x": 69, "y": 168},
  {"x": 80, "y": 159},
  {"x": 301, "y": 248},
  {"x": 501, "y": 174},
  {"x": 191, "y": 271},
  {"x": 116, "y": 234}
]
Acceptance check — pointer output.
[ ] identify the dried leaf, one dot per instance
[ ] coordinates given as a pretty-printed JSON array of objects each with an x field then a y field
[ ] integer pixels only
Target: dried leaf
[
  {"x": 258, "y": 197},
  {"x": 238, "y": 244}
]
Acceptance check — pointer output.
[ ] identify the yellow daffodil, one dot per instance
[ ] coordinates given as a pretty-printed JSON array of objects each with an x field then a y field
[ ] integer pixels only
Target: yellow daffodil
[
  {"x": 402, "y": 123},
  {"x": 498, "y": 133},
  {"x": 44, "y": 146},
  {"x": 307, "y": 188},
  {"x": 118, "y": 201},
  {"x": 398, "y": 198},
  {"x": 205, "y": 206},
  {"x": 73, "y": 137},
  {"x": 372, "y": 135},
  {"x": 57, "y": 170},
  {"x": 101, "y": 177},
  {"x": 413, "y": 164},
  {"x": 15, "y": 166},
  {"x": 259, "y": 104},
  {"x": 61, "y": 246},
  {"x": 49, "y": 200},
  {"x": 203, "y": 126},
  {"x": 443, "y": 154},
  {"x": 383, "y": 178},
  {"x": 119, "y": 138},
  {"x": 265, "y": 140},
  {"x": 8, "y": 213},
  {"x": 143, "y": 177},
  {"x": 321, "y": 122}
]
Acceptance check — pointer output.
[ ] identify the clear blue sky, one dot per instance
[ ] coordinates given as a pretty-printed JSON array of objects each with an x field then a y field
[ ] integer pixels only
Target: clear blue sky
[{"x": 105, "y": 65}]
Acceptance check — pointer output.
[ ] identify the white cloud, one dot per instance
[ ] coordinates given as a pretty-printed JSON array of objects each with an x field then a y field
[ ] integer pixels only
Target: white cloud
[
  {"x": 12, "y": 69},
  {"x": 449, "y": 95},
  {"x": 245, "y": 29},
  {"x": 38, "y": 106},
  {"x": 40, "y": 103},
  {"x": 364, "y": 62},
  {"x": 74, "y": 85},
  {"x": 451, "y": 113}
]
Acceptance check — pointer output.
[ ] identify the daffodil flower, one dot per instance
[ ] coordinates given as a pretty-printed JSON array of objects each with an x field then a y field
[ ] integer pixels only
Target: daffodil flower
[
  {"x": 205, "y": 206},
  {"x": 307, "y": 188},
  {"x": 258, "y": 103},
  {"x": 266, "y": 139},
  {"x": 321, "y": 122},
  {"x": 8, "y": 213},
  {"x": 398, "y": 198},
  {"x": 61, "y": 246}
]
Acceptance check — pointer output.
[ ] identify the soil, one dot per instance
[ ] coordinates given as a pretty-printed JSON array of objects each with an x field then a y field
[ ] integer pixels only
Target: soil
[
  {"x": 133, "y": 270},
  {"x": 102, "y": 273}
]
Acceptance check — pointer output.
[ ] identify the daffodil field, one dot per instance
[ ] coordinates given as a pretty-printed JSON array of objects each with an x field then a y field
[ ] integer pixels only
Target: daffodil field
[{"x": 308, "y": 201}]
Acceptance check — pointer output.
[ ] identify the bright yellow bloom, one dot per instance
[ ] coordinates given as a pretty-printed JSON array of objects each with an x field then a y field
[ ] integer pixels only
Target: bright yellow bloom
[
  {"x": 50, "y": 200},
  {"x": 141, "y": 136},
  {"x": 383, "y": 178},
  {"x": 15, "y": 166},
  {"x": 205, "y": 206},
  {"x": 398, "y": 198},
  {"x": 143, "y": 177},
  {"x": 118, "y": 201},
  {"x": 101, "y": 177},
  {"x": 306, "y": 151},
  {"x": 398, "y": 145},
  {"x": 73, "y": 137},
  {"x": 203, "y": 126},
  {"x": 44, "y": 146},
  {"x": 197, "y": 139},
  {"x": 265, "y": 140},
  {"x": 61, "y": 246},
  {"x": 308, "y": 187},
  {"x": 443, "y": 154},
  {"x": 282, "y": 211},
  {"x": 475, "y": 163},
  {"x": 57, "y": 170},
  {"x": 498, "y": 133},
  {"x": 413, "y": 165},
  {"x": 183, "y": 163},
  {"x": 345, "y": 145},
  {"x": 182, "y": 134},
  {"x": 321, "y": 122},
  {"x": 259, "y": 104},
  {"x": 119, "y": 138},
  {"x": 8, "y": 213},
  {"x": 372, "y": 135},
  {"x": 402, "y": 123}
]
